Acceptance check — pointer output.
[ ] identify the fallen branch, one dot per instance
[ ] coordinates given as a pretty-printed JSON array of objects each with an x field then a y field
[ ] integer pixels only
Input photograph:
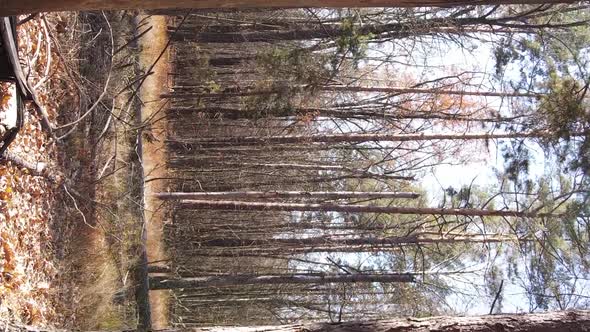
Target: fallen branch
[
  {"x": 35, "y": 168},
  {"x": 102, "y": 95},
  {"x": 27, "y": 19},
  {"x": 48, "y": 51}
]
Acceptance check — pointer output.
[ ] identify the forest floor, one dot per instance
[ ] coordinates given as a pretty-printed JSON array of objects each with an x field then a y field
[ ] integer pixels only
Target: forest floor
[
  {"x": 68, "y": 249},
  {"x": 34, "y": 280}
]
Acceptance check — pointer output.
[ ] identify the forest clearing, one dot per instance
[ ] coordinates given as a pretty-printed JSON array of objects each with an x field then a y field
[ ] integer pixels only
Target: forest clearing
[{"x": 259, "y": 167}]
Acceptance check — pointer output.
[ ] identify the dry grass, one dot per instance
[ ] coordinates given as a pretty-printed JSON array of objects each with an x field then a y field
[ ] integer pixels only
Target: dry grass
[
  {"x": 99, "y": 281},
  {"x": 103, "y": 167}
]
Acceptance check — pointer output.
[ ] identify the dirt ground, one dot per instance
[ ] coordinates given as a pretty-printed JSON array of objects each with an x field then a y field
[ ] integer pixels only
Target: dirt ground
[{"x": 154, "y": 153}]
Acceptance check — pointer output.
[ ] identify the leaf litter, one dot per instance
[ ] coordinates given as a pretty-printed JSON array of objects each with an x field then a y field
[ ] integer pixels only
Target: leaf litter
[{"x": 31, "y": 285}]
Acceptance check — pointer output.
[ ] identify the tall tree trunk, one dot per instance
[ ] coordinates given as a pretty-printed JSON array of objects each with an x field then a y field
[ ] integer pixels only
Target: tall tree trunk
[
  {"x": 283, "y": 194},
  {"x": 252, "y": 91},
  {"x": 362, "y": 244},
  {"x": 556, "y": 321},
  {"x": 17, "y": 7},
  {"x": 351, "y": 138},
  {"x": 559, "y": 321},
  {"x": 257, "y": 206},
  {"x": 159, "y": 282},
  {"x": 333, "y": 31},
  {"x": 237, "y": 113},
  {"x": 189, "y": 161}
]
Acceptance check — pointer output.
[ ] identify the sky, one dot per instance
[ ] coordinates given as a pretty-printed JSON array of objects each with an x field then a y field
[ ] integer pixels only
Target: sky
[{"x": 481, "y": 172}]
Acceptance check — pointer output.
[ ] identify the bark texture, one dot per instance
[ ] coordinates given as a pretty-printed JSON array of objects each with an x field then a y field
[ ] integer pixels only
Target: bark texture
[
  {"x": 248, "y": 91},
  {"x": 17, "y": 7},
  {"x": 258, "y": 206},
  {"x": 248, "y": 279},
  {"x": 283, "y": 194},
  {"x": 360, "y": 244},
  {"x": 559, "y": 321},
  {"x": 354, "y": 138}
]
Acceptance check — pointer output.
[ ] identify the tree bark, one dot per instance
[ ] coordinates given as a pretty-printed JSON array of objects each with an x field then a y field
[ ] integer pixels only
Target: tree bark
[
  {"x": 351, "y": 138},
  {"x": 237, "y": 113},
  {"x": 333, "y": 31},
  {"x": 559, "y": 321},
  {"x": 251, "y": 91},
  {"x": 159, "y": 269},
  {"x": 158, "y": 282},
  {"x": 363, "y": 244},
  {"x": 178, "y": 162},
  {"x": 258, "y": 206},
  {"x": 283, "y": 194},
  {"x": 17, "y": 7}
]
